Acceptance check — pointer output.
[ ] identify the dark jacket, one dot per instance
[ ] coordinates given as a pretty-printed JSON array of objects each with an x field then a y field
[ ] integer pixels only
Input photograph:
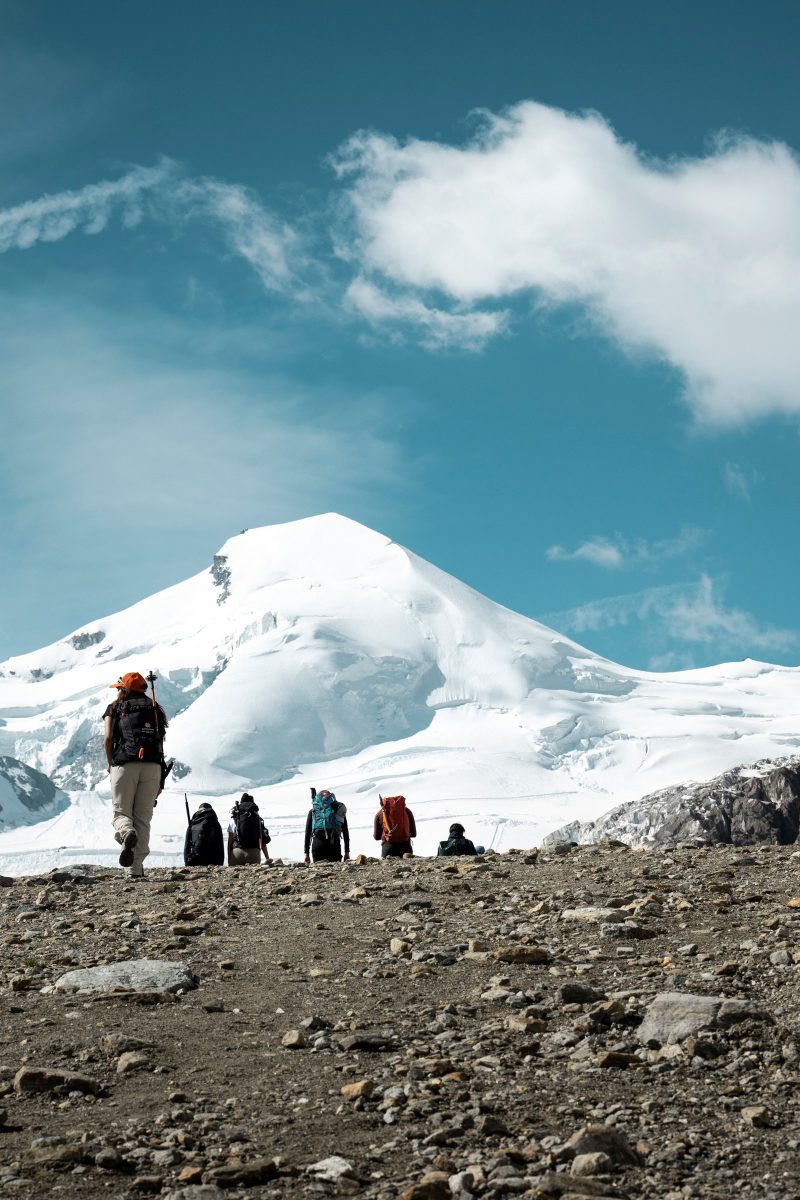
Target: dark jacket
[
  {"x": 455, "y": 845},
  {"x": 203, "y": 845}
]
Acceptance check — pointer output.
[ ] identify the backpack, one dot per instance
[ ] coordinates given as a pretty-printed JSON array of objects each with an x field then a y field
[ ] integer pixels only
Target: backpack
[
  {"x": 137, "y": 732},
  {"x": 395, "y": 819},
  {"x": 203, "y": 846},
  {"x": 248, "y": 825},
  {"x": 327, "y": 815}
]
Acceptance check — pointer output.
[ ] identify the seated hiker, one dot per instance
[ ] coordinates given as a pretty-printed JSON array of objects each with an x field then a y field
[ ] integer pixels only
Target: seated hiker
[
  {"x": 394, "y": 827},
  {"x": 203, "y": 846},
  {"x": 326, "y": 828},
  {"x": 457, "y": 843},
  {"x": 247, "y": 834}
]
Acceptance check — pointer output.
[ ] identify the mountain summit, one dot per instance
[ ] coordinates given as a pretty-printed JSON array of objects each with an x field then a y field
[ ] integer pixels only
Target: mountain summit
[{"x": 320, "y": 651}]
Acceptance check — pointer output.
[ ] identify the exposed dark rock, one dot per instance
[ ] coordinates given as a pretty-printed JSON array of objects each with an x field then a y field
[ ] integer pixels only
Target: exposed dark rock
[
  {"x": 82, "y": 641},
  {"x": 744, "y": 806},
  {"x": 221, "y": 574}
]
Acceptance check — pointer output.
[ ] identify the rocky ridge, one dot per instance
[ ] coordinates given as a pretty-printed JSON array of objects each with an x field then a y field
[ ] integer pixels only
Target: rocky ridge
[
  {"x": 746, "y": 806},
  {"x": 586, "y": 1021}
]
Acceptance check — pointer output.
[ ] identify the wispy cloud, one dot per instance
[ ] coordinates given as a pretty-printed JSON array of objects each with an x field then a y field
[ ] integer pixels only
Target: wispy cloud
[
  {"x": 694, "y": 261},
  {"x": 436, "y": 328},
  {"x": 618, "y": 552},
  {"x": 740, "y": 480},
  {"x": 89, "y": 210},
  {"x": 684, "y": 613},
  {"x": 699, "y": 616},
  {"x": 161, "y": 193},
  {"x": 270, "y": 246}
]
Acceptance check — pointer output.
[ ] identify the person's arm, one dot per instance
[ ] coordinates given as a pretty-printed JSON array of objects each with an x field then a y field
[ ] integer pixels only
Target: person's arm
[
  {"x": 230, "y": 849},
  {"x": 264, "y": 840},
  {"x": 412, "y": 824},
  {"x": 307, "y": 842},
  {"x": 377, "y": 826},
  {"x": 108, "y": 734},
  {"x": 346, "y": 836}
]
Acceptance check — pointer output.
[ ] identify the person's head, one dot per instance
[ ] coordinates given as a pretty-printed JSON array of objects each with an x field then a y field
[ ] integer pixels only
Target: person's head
[
  {"x": 246, "y": 798},
  {"x": 131, "y": 684},
  {"x": 456, "y": 830},
  {"x": 325, "y": 794}
]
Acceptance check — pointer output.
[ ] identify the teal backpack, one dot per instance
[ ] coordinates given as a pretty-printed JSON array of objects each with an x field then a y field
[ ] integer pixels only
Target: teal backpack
[{"x": 328, "y": 815}]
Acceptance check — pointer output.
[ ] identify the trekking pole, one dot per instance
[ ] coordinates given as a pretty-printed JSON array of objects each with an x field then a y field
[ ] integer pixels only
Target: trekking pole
[
  {"x": 186, "y": 802},
  {"x": 166, "y": 767}
]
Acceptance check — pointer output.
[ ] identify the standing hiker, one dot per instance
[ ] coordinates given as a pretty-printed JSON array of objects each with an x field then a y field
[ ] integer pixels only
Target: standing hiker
[
  {"x": 247, "y": 835},
  {"x": 133, "y": 738},
  {"x": 394, "y": 827},
  {"x": 326, "y": 828},
  {"x": 203, "y": 845}
]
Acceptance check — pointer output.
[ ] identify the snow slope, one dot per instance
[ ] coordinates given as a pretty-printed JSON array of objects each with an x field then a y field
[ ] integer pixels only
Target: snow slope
[{"x": 320, "y": 652}]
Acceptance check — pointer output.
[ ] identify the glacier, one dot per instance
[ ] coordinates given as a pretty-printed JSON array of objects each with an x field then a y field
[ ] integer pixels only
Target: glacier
[{"x": 320, "y": 652}]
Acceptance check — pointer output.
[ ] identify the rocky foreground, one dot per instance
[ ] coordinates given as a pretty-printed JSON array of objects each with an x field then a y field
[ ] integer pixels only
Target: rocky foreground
[{"x": 591, "y": 1021}]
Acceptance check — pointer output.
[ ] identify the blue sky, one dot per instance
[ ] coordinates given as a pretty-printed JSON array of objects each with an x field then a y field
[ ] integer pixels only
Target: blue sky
[{"x": 516, "y": 283}]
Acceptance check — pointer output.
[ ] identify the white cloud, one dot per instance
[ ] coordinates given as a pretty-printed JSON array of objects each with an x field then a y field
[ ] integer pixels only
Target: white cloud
[
  {"x": 617, "y": 552},
  {"x": 694, "y": 261},
  {"x": 740, "y": 481},
  {"x": 683, "y": 613}
]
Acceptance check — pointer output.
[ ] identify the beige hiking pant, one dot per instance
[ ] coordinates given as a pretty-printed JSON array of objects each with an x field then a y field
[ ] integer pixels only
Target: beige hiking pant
[
  {"x": 134, "y": 787},
  {"x": 246, "y": 858}
]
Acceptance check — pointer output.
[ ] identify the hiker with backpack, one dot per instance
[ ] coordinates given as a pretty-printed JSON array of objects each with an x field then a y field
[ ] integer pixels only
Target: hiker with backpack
[
  {"x": 133, "y": 739},
  {"x": 394, "y": 827},
  {"x": 326, "y": 829},
  {"x": 457, "y": 843},
  {"x": 203, "y": 845},
  {"x": 248, "y": 836}
]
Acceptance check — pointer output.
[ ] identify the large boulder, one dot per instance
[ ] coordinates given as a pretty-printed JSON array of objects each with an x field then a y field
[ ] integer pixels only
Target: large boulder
[
  {"x": 674, "y": 1016},
  {"x": 135, "y": 975}
]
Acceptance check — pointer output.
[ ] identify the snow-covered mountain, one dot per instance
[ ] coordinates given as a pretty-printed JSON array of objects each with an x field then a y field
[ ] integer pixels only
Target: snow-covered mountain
[
  {"x": 320, "y": 652},
  {"x": 26, "y": 796}
]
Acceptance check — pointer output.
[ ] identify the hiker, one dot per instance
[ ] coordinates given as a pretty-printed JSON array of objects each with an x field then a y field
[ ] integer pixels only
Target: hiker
[
  {"x": 457, "y": 843},
  {"x": 203, "y": 845},
  {"x": 326, "y": 828},
  {"x": 247, "y": 835},
  {"x": 394, "y": 827},
  {"x": 133, "y": 738}
]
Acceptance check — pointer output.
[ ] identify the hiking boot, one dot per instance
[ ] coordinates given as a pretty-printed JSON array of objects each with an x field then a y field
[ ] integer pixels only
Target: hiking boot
[{"x": 128, "y": 844}]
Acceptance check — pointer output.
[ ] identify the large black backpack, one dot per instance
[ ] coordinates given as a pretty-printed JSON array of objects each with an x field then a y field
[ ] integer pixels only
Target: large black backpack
[
  {"x": 248, "y": 825},
  {"x": 138, "y": 731},
  {"x": 203, "y": 846}
]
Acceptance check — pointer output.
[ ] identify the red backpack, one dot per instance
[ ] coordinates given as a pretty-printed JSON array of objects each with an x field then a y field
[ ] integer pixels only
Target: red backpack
[{"x": 395, "y": 819}]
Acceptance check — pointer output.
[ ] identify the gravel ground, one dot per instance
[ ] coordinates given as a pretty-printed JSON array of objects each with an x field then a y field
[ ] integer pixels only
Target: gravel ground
[{"x": 589, "y": 1021}]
